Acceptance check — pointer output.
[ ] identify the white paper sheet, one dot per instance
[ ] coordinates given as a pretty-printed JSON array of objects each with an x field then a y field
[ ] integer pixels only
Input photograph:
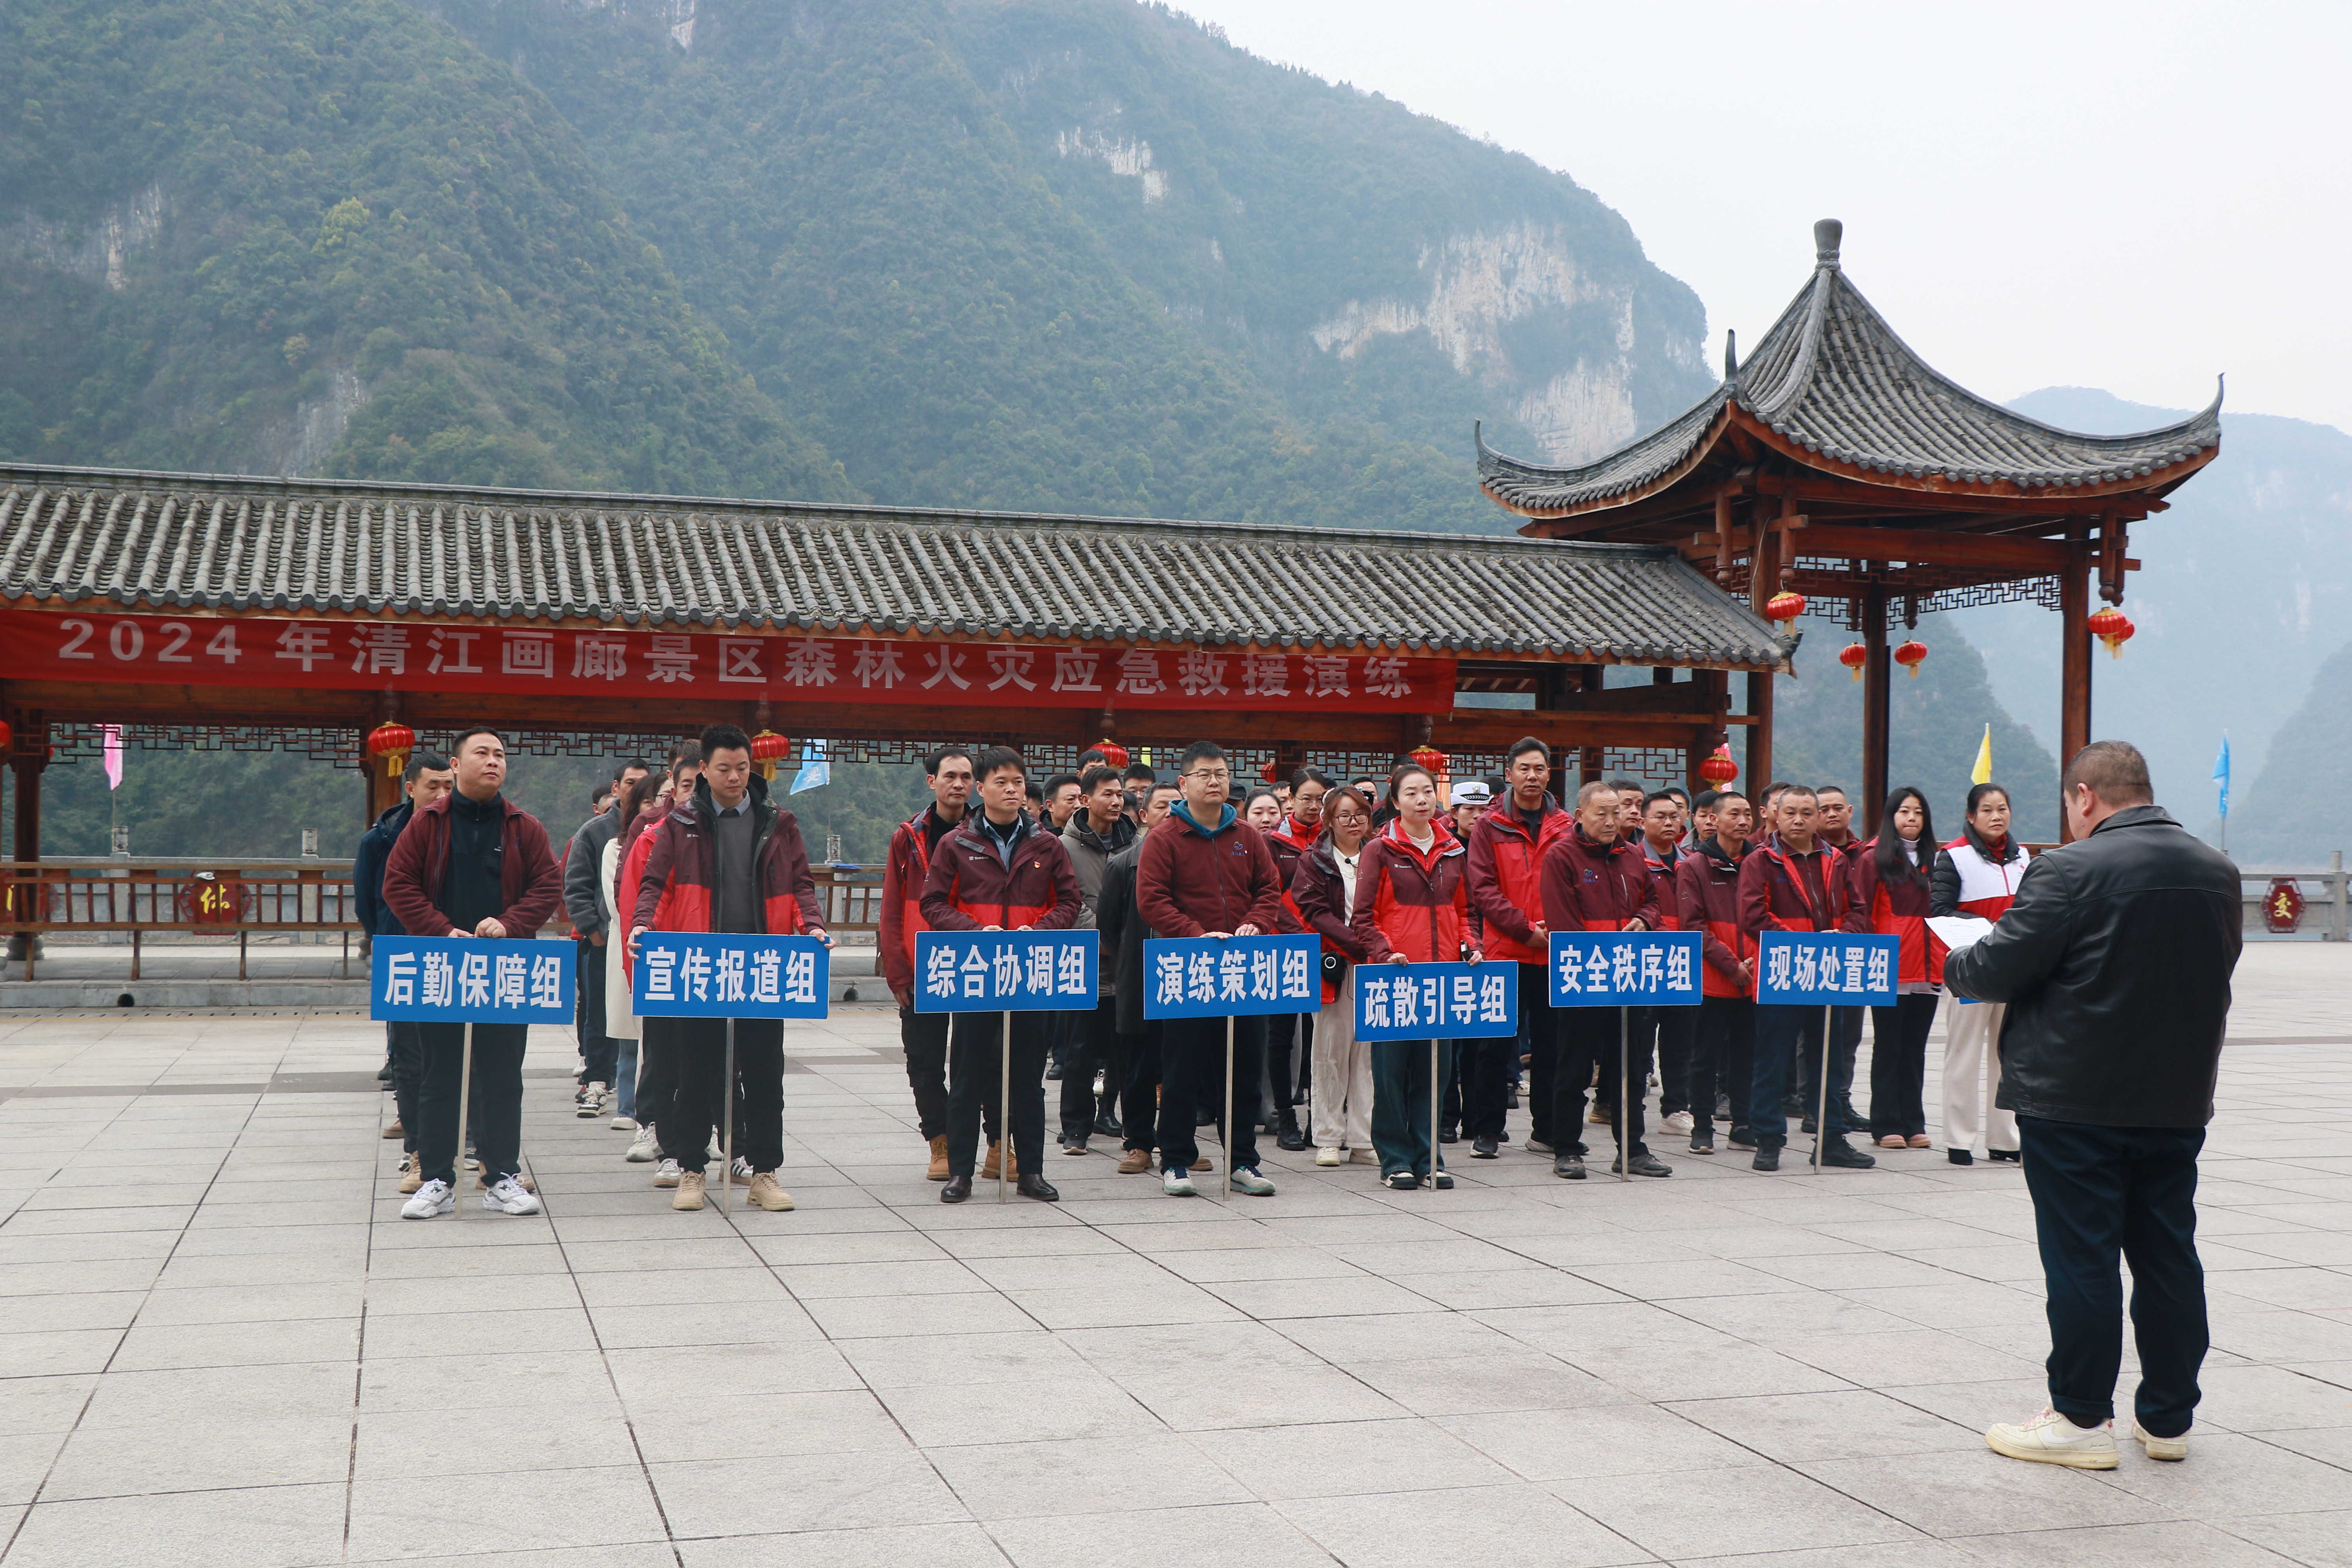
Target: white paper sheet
[{"x": 1956, "y": 931}]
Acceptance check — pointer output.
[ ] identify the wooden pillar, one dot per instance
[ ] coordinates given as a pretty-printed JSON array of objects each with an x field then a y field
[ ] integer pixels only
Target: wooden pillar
[
  {"x": 2074, "y": 658},
  {"x": 29, "y": 758},
  {"x": 1716, "y": 684},
  {"x": 1589, "y": 769},
  {"x": 1877, "y": 693},
  {"x": 1763, "y": 581}
]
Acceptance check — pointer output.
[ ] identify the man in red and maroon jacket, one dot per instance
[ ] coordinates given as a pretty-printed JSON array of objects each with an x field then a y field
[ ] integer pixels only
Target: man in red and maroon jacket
[
  {"x": 1707, "y": 885},
  {"x": 472, "y": 864},
  {"x": 1593, "y": 879},
  {"x": 1206, "y": 872},
  {"x": 1834, "y": 828},
  {"x": 1792, "y": 881},
  {"x": 1288, "y": 1036},
  {"x": 728, "y": 861},
  {"x": 1507, "y": 847},
  {"x": 1001, "y": 869},
  {"x": 947, "y": 772},
  {"x": 1672, "y": 1031}
]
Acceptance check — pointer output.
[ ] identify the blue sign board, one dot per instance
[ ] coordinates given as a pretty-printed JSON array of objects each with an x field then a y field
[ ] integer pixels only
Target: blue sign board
[
  {"x": 1818, "y": 969},
  {"x": 470, "y": 980},
  {"x": 1436, "y": 1000},
  {"x": 1005, "y": 971},
  {"x": 1229, "y": 977},
  {"x": 1625, "y": 968},
  {"x": 702, "y": 974}
]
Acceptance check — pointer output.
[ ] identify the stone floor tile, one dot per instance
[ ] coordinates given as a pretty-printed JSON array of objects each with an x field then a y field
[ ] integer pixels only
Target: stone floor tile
[
  {"x": 285, "y": 1527},
  {"x": 202, "y": 1456},
  {"x": 527, "y": 1510},
  {"x": 164, "y": 1347},
  {"x": 1252, "y": 1533},
  {"x": 1469, "y": 1527},
  {"x": 2160, "y": 1545},
  {"x": 1838, "y": 1424},
  {"x": 25, "y": 1459},
  {"x": 1083, "y": 1474},
  {"x": 202, "y": 1395},
  {"x": 2228, "y": 1473},
  {"x": 1342, "y": 1459},
  {"x": 754, "y": 1495},
  {"x": 880, "y": 1317},
  {"x": 1751, "y": 1508},
  {"x": 49, "y": 1351},
  {"x": 726, "y": 1426},
  {"x": 877, "y": 1546},
  {"x": 1957, "y": 1492}
]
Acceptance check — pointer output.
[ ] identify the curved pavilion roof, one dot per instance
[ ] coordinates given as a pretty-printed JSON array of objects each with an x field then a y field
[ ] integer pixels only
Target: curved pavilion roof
[{"x": 1833, "y": 387}]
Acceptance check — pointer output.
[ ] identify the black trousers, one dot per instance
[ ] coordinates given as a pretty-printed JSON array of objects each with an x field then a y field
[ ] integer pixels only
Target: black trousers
[
  {"x": 599, "y": 1052},
  {"x": 924, "y": 1037},
  {"x": 1540, "y": 1030},
  {"x": 2100, "y": 1192},
  {"x": 1192, "y": 1071},
  {"x": 495, "y": 1119},
  {"x": 659, "y": 1067},
  {"x": 1846, "y": 1039},
  {"x": 1590, "y": 1039},
  {"x": 1781, "y": 1034},
  {"x": 1898, "y": 1065},
  {"x": 406, "y": 1049},
  {"x": 1139, "y": 1098},
  {"x": 1484, "y": 1070},
  {"x": 976, "y": 1085},
  {"x": 1724, "y": 1053},
  {"x": 1093, "y": 1043},
  {"x": 698, "y": 1047},
  {"x": 1674, "y": 1033}
]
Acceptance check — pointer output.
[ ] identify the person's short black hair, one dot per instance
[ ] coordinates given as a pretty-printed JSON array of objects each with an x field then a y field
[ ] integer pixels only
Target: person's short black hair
[
  {"x": 1629, "y": 786},
  {"x": 1723, "y": 795},
  {"x": 1977, "y": 792},
  {"x": 1837, "y": 790},
  {"x": 1255, "y": 791},
  {"x": 1706, "y": 798},
  {"x": 1096, "y": 776},
  {"x": 1088, "y": 758},
  {"x": 992, "y": 758},
  {"x": 717, "y": 738},
  {"x": 685, "y": 751},
  {"x": 1030, "y": 791},
  {"x": 1657, "y": 795},
  {"x": 1679, "y": 793},
  {"x": 1199, "y": 752},
  {"x": 1159, "y": 785},
  {"x": 627, "y": 764},
  {"x": 1058, "y": 780},
  {"x": 424, "y": 761},
  {"x": 1309, "y": 775},
  {"x": 598, "y": 797},
  {"x": 938, "y": 759},
  {"x": 1806, "y": 790},
  {"x": 2115, "y": 771},
  {"x": 1142, "y": 773},
  {"x": 1522, "y": 747},
  {"x": 458, "y": 744}
]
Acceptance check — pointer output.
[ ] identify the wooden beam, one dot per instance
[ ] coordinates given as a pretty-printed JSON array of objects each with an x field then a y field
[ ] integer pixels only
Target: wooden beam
[
  {"x": 2073, "y": 662},
  {"x": 1877, "y": 694},
  {"x": 1921, "y": 546}
]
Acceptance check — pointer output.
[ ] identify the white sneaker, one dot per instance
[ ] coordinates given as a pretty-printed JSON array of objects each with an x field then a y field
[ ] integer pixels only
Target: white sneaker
[
  {"x": 742, "y": 1169},
  {"x": 2168, "y": 1448},
  {"x": 623, "y": 1124},
  {"x": 1546, "y": 1150},
  {"x": 1178, "y": 1184},
  {"x": 433, "y": 1198},
  {"x": 713, "y": 1152},
  {"x": 1680, "y": 1121},
  {"x": 507, "y": 1195},
  {"x": 2051, "y": 1439},
  {"x": 589, "y": 1103},
  {"x": 1247, "y": 1181},
  {"x": 644, "y": 1148},
  {"x": 1363, "y": 1156},
  {"x": 1327, "y": 1156},
  {"x": 665, "y": 1175}
]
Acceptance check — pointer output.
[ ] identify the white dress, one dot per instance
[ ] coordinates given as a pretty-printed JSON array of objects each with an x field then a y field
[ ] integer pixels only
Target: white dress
[{"x": 620, "y": 1021}]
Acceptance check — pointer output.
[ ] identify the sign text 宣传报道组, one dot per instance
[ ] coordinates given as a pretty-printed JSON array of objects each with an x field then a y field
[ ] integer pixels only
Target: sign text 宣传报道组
[{"x": 704, "y": 974}]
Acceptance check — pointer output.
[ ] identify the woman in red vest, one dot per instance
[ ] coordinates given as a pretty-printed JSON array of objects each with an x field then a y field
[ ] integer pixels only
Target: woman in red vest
[{"x": 1889, "y": 878}]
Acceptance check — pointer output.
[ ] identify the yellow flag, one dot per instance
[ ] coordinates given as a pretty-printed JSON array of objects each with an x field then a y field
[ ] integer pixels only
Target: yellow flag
[{"x": 1982, "y": 771}]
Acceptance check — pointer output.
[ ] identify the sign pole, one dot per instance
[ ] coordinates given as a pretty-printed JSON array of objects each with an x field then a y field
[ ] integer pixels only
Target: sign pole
[
  {"x": 1004, "y": 1113},
  {"x": 1624, "y": 1089},
  {"x": 726, "y": 1121},
  {"x": 465, "y": 1100},
  {"x": 1821, "y": 1116},
  {"x": 1433, "y": 1115},
  {"x": 1226, "y": 1176}
]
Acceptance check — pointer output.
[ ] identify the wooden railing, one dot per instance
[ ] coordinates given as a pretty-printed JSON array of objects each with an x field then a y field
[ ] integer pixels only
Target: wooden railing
[{"x": 241, "y": 898}]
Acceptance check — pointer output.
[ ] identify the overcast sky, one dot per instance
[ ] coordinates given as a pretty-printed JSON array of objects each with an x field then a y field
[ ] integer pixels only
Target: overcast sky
[{"x": 2132, "y": 197}]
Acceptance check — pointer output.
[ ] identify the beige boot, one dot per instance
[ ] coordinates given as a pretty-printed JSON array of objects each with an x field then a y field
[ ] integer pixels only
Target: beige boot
[
  {"x": 764, "y": 1191},
  {"x": 939, "y": 1171},
  {"x": 411, "y": 1173},
  {"x": 690, "y": 1191},
  {"x": 988, "y": 1166}
]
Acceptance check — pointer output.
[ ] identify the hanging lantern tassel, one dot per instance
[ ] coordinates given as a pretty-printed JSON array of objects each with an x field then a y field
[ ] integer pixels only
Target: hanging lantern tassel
[
  {"x": 2112, "y": 627},
  {"x": 1854, "y": 656},
  {"x": 393, "y": 743},
  {"x": 1911, "y": 656},
  {"x": 768, "y": 749}
]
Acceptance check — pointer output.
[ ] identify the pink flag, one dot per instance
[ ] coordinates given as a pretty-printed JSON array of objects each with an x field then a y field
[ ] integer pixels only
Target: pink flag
[{"x": 114, "y": 755}]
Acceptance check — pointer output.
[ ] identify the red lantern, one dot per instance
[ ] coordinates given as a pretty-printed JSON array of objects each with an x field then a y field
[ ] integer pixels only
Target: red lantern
[
  {"x": 1719, "y": 770},
  {"x": 7, "y": 737},
  {"x": 1853, "y": 656},
  {"x": 1271, "y": 773},
  {"x": 1114, "y": 755},
  {"x": 1430, "y": 757},
  {"x": 2113, "y": 628},
  {"x": 1911, "y": 656},
  {"x": 768, "y": 749},
  {"x": 392, "y": 741},
  {"x": 1782, "y": 609}
]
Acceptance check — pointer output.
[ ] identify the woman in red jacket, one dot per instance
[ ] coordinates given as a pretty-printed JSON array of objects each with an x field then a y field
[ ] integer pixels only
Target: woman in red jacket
[
  {"x": 1324, "y": 889},
  {"x": 1412, "y": 907},
  {"x": 1889, "y": 879}
]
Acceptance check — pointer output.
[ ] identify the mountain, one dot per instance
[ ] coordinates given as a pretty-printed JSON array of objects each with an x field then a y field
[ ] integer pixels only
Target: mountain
[
  {"x": 2270, "y": 820},
  {"x": 2244, "y": 587}
]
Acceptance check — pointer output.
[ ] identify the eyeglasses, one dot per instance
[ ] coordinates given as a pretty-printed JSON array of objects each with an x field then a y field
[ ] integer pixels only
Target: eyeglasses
[{"x": 1211, "y": 775}]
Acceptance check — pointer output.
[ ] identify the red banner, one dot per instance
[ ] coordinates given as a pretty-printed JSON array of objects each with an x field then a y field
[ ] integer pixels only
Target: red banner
[{"x": 412, "y": 656}]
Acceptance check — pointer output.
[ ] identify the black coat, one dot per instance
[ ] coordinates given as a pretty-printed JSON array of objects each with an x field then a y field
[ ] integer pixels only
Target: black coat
[
  {"x": 376, "y": 917},
  {"x": 2116, "y": 962},
  {"x": 1121, "y": 922}
]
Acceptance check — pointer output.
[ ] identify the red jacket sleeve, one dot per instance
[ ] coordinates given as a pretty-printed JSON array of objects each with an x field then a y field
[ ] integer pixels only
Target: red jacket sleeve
[
  {"x": 798, "y": 876},
  {"x": 404, "y": 884},
  {"x": 1370, "y": 871},
  {"x": 1153, "y": 869},
  {"x": 1756, "y": 892},
  {"x": 1472, "y": 932},
  {"x": 1486, "y": 890},
  {"x": 1265, "y": 910},
  {"x": 1064, "y": 913},
  {"x": 1648, "y": 913},
  {"x": 1307, "y": 890},
  {"x": 543, "y": 879},
  {"x": 1861, "y": 891},
  {"x": 938, "y": 907},
  {"x": 1557, "y": 877},
  {"x": 1690, "y": 890},
  {"x": 654, "y": 877},
  {"x": 891, "y": 935}
]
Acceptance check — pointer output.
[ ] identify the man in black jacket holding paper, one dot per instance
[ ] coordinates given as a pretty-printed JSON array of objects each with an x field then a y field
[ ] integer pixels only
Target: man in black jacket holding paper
[{"x": 2115, "y": 963}]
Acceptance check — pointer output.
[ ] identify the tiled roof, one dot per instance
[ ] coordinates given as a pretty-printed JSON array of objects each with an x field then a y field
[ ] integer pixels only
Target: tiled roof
[
  {"x": 186, "y": 541},
  {"x": 1831, "y": 377}
]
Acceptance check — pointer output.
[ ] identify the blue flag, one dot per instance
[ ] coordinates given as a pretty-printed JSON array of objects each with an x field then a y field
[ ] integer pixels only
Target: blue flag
[
  {"x": 2221, "y": 774},
  {"x": 815, "y": 772}
]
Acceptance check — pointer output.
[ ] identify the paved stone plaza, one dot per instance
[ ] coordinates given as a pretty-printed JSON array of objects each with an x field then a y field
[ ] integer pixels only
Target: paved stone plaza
[{"x": 219, "y": 1344}]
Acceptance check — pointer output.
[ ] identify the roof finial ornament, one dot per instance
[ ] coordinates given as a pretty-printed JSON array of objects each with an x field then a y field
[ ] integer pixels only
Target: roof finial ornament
[
  {"x": 1730, "y": 356},
  {"x": 1827, "y": 236}
]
